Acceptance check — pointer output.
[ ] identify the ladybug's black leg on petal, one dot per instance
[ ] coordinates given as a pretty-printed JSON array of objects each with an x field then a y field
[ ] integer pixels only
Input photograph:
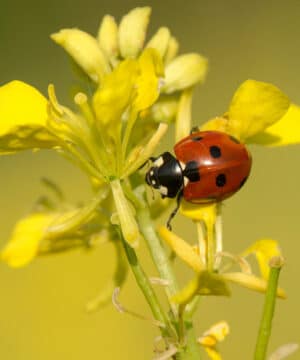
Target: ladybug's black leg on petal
[
  {"x": 174, "y": 212},
  {"x": 152, "y": 158}
]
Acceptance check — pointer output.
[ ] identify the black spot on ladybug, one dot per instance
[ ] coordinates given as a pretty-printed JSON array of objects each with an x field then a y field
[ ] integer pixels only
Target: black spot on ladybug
[
  {"x": 221, "y": 180},
  {"x": 197, "y": 138},
  {"x": 191, "y": 171},
  {"x": 215, "y": 151},
  {"x": 243, "y": 182},
  {"x": 232, "y": 138}
]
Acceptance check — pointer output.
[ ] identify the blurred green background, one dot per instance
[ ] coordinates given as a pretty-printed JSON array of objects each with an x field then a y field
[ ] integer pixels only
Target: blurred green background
[{"x": 42, "y": 306}]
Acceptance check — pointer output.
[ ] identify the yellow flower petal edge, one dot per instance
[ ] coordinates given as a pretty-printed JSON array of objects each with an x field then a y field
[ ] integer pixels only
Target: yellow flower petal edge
[
  {"x": 205, "y": 212},
  {"x": 205, "y": 283},
  {"x": 286, "y": 131},
  {"x": 151, "y": 68},
  {"x": 182, "y": 249},
  {"x": 250, "y": 282},
  {"x": 255, "y": 106},
  {"x": 264, "y": 250},
  {"x": 214, "y": 334},
  {"x": 213, "y": 353},
  {"x": 24, "y": 242},
  {"x": 115, "y": 93},
  {"x": 23, "y": 118}
]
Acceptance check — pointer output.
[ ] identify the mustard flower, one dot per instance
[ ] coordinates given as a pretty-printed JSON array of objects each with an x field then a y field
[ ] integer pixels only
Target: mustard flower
[{"x": 110, "y": 134}]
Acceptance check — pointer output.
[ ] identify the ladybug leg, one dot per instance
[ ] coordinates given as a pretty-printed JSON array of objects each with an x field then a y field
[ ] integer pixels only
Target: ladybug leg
[
  {"x": 194, "y": 130},
  {"x": 174, "y": 212},
  {"x": 151, "y": 158}
]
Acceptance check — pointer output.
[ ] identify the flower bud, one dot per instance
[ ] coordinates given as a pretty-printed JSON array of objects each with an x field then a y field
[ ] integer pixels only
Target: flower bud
[
  {"x": 185, "y": 71},
  {"x": 160, "y": 41},
  {"x": 84, "y": 49},
  {"x": 132, "y": 31},
  {"x": 108, "y": 37}
]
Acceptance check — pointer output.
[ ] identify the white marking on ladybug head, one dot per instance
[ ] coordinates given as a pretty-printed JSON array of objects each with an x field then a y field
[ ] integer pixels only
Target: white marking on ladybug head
[
  {"x": 182, "y": 165},
  {"x": 163, "y": 190},
  {"x": 185, "y": 180},
  {"x": 153, "y": 182},
  {"x": 151, "y": 172},
  {"x": 159, "y": 161}
]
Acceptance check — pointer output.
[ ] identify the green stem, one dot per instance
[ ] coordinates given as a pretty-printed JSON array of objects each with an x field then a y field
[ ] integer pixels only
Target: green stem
[
  {"x": 144, "y": 284},
  {"x": 191, "y": 351},
  {"x": 264, "y": 333},
  {"x": 158, "y": 253}
]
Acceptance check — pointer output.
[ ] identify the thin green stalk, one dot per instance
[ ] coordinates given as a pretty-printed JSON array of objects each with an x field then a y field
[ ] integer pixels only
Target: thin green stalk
[
  {"x": 265, "y": 328},
  {"x": 191, "y": 351},
  {"x": 145, "y": 285},
  {"x": 158, "y": 252}
]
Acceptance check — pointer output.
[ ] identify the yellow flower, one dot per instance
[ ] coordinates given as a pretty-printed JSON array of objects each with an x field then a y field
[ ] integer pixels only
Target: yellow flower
[
  {"x": 24, "y": 243},
  {"x": 98, "y": 136},
  {"x": 114, "y": 43},
  {"x": 56, "y": 227},
  {"x": 214, "y": 281},
  {"x": 211, "y": 337},
  {"x": 23, "y": 114},
  {"x": 259, "y": 113}
]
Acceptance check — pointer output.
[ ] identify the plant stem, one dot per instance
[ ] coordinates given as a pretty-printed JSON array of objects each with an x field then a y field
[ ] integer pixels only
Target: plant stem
[
  {"x": 191, "y": 351},
  {"x": 158, "y": 253},
  {"x": 265, "y": 328},
  {"x": 144, "y": 284}
]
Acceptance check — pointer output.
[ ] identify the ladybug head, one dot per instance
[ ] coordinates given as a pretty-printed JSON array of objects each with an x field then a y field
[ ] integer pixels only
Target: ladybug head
[{"x": 165, "y": 175}]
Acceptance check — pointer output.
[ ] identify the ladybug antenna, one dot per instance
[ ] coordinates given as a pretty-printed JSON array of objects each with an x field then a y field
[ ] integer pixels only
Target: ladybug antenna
[{"x": 174, "y": 212}]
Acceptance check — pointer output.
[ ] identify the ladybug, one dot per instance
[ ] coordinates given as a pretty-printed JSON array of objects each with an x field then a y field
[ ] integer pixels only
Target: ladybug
[{"x": 209, "y": 166}]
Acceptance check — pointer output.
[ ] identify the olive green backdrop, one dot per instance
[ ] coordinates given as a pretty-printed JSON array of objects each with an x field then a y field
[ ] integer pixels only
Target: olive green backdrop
[{"x": 42, "y": 306}]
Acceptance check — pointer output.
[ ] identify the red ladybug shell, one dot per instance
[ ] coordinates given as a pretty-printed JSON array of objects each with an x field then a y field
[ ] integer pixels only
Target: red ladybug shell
[{"x": 216, "y": 163}]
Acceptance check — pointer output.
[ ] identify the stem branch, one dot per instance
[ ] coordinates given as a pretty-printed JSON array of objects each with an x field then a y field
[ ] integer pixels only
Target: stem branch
[{"x": 265, "y": 328}]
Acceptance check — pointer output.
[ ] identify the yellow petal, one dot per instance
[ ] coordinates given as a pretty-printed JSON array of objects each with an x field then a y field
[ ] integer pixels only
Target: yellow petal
[
  {"x": 214, "y": 334},
  {"x": 205, "y": 212},
  {"x": 285, "y": 131},
  {"x": 24, "y": 242},
  {"x": 126, "y": 217},
  {"x": 218, "y": 123},
  {"x": 264, "y": 250},
  {"x": 108, "y": 37},
  {"x": 23, "y": 118},
  {"x": 160, "y": 41},
  {"x": 205, "y": 283},
  {"x": 254, "y": 107},
  {"x": 213, "y": 353},
  {"x": 132, "y": 31},
  {"x": 250, "y": 282},
  {"x": 184, "y": 71},
  {"x": 115, "y": 93},
  {"x": 147, "y": 86},
  {"x": 84, "y": 49},
  {"x": 181, "y": 248}
]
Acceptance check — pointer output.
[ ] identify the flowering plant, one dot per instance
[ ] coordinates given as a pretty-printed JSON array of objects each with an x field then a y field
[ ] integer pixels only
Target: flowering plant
[{"x": 140, "y": 88}]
